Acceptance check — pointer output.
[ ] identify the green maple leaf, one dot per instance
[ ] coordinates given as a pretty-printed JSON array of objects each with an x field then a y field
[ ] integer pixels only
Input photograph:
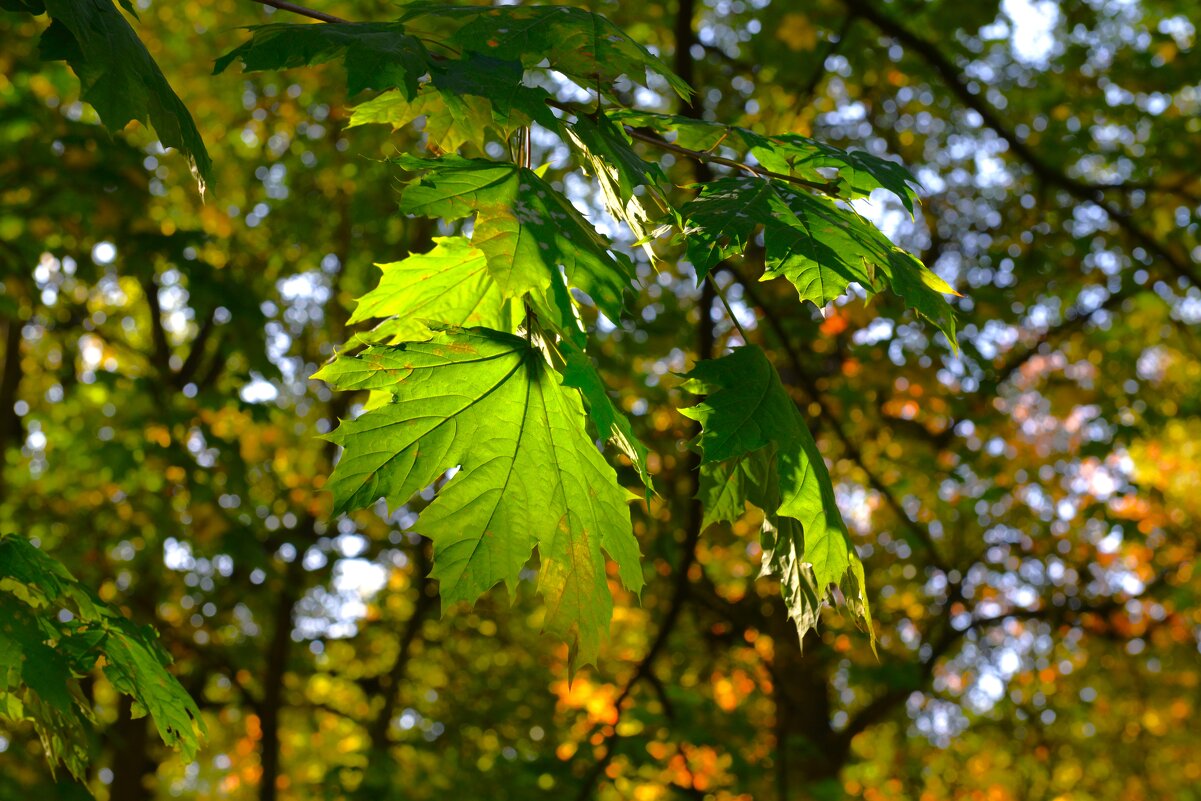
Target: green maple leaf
[
  {"x": 118, "y": 76},
  {"x": 726, "y": 487},
  {"x": 134, "y": 663},
  {"x": 529, "y": 476},
  {"x": 525, "y": 228},
  {"x": 450, "y": 121},
  {"x": 820, "y": 247},
  {"x": 746, "y": 409},
  {"x": 41, "y": 579},
  {"x": 584, "y": 46},
  {"x": 782, "y": 540},
  {"x": 756, "y": 448},
  {"x": 36, "y": 684},
  {"x": 449, "y": 285},
  {"x": 377, "y": 55},
  {"x": 859, "y": 173}
]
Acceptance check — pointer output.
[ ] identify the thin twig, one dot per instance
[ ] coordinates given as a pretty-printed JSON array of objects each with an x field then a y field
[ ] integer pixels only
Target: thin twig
[
  {"x": 645, "y": 668},
  {"x": 283, "y": 5},
  {"x": 390, "y": 684},
  {"x": 1077, "y": 317}
]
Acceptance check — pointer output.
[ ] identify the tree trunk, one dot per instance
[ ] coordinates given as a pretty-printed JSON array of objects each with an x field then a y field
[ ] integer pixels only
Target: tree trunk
[
  {"x": 808, "y": 757},
  {"x": 129, "y": 741},
  {"x": 11, "y": 431},
  {"x": 273, "y": 682}
]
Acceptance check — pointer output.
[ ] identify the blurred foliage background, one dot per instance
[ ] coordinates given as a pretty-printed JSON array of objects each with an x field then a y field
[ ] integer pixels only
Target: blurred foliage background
[{"x": 1027, "y": 510}]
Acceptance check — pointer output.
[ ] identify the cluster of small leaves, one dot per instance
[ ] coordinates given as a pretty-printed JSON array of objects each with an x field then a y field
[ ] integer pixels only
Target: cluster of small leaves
[
  {"x": 491, "y": 409},
  {"x": 53, "y": 631},
  {"x": 117, "y": 74}
]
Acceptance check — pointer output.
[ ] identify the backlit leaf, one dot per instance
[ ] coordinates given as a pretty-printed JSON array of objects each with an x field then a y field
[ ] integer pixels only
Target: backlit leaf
[
  {"x": 819, "y": 246},
  {"x": 611, "y": 423},
  {"x": 528, "y": 474},
  {"x": 619, "y": 170},
  {"x": 449, "y": 285}
]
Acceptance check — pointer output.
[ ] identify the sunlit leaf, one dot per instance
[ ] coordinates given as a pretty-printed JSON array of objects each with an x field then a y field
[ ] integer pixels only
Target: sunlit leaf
[
  {"x": 528, "y": 475},
  {"x": 607, "y": 154},
  {"x": 449, "y": 285}
]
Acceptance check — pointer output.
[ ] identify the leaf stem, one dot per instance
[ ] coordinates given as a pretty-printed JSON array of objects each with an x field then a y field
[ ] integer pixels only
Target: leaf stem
[{"x": 729, "y": 311}]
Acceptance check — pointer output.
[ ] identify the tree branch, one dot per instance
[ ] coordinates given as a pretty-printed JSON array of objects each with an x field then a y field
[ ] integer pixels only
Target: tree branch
[
  {"x": 279, "y": 647},
  {"x": 11, "y": 430},
  {"x": 161, "y": 355},
  {"x": 805, "y": 96},
  {"x": 696, "y": 516},
  {"x": 390, "y": 684},
  {"x": 1075, "y": 318},
  {"x": 881, "y": 706},
  {"x": 196, "y": 354}
]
